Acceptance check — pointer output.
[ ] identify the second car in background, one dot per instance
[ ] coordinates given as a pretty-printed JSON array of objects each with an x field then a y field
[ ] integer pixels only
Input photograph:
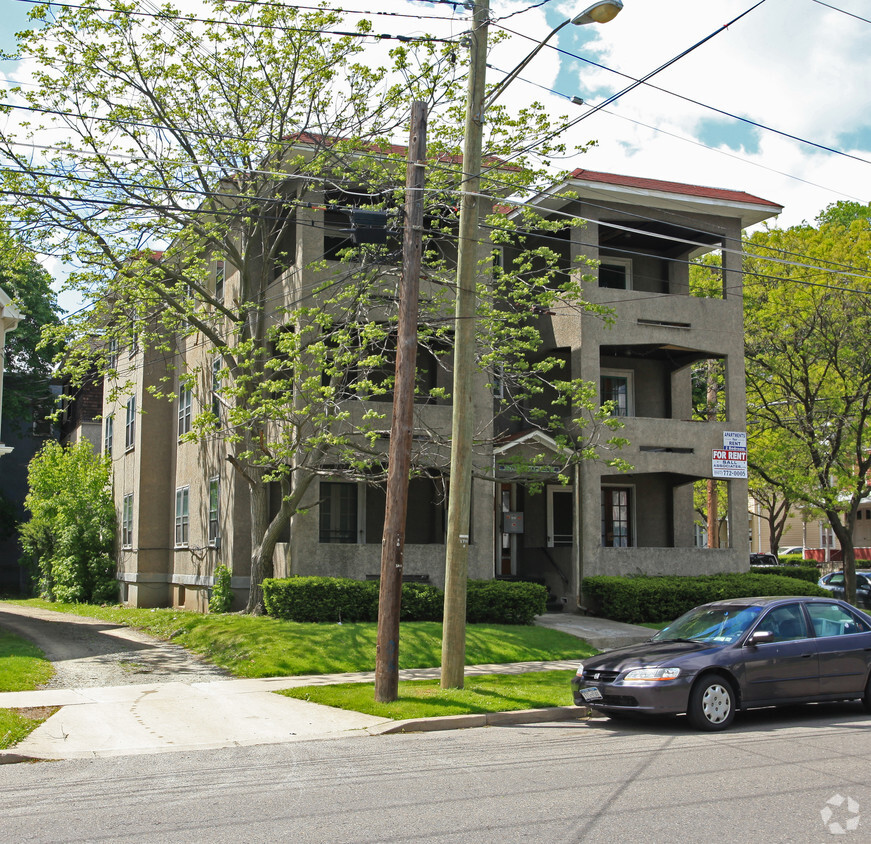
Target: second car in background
[{"x": 834, "y": 583}]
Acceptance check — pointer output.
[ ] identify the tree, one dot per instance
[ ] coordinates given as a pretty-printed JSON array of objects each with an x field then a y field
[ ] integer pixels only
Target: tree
[
  {"x": 771, "y": 463},
  {"x": 70, "y": 535},
  {"x": 194, "y": 148},
  {"x": 807, "y": 322},
  {"x": 29, "y": 363}
]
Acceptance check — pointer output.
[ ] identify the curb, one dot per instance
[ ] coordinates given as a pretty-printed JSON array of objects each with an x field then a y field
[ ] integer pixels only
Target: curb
[
  {"x": 15, "y": 758},
  {"x": 485, "y": 719}
]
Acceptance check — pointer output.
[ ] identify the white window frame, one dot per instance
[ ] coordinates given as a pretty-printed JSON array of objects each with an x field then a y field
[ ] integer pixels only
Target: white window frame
[
  {"x": 130, "y": 425},
  {"x": 632, "y": 521},
  {"x": 557, "y": 489},
  {"x": 626, "y": 263},
  {"x": 112, "y": 354},
  {"x": 182, "y": 516},
  {"x": 185, "y": 404},
  {"x": 127, "y": 521},
  {"x": 214, "y": 525},
  {"x": 216, "y": 386},
  {"x": 220, "y": 278},
  {"x": 109, "y": 436},
  {"x": 629, "y": 375}
]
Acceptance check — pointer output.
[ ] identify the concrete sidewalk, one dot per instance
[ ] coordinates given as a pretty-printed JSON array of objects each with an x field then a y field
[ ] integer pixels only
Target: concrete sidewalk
[
  {"x": 175, "y": 716},
  {"x": 162, "y": 717}
]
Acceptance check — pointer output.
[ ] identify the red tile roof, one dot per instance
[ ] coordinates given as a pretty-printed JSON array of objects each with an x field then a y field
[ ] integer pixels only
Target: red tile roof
[{"x": 640, "y": 183}]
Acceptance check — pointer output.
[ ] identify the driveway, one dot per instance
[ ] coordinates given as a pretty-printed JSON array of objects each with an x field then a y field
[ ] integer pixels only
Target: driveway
[{"x": 87, "y": 652}]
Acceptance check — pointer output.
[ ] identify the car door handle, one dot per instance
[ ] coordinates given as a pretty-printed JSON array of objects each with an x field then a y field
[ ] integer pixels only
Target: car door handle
[{"x": 806, "y": 656}]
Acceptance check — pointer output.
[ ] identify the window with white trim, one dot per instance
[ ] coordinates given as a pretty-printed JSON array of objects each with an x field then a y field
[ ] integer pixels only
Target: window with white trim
[
  {"x": 615, "y": 273},
  {"x": 216, "y": 386},
  {"x": 127, "y": 521},
  {"x": 108, "y": 435},
  {"x": 185, "y": 401},
  {"x": 617, "y": 386},
  {"x": 182, "y": 516},
  {"x": 214, "y": 512},
  {"x": 130, "y": 424},
  {"x": 220, "y": 271}
]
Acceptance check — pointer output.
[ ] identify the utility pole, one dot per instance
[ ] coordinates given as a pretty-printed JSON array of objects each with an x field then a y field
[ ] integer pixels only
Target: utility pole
[
  {"x": 399, "y": 455},
  {"x": 713, "y": 503},
  {"x": 457, "y": 558}
]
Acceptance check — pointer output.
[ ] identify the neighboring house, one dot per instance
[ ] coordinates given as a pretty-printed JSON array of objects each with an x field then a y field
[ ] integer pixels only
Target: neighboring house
[
  {"x": 10, "y": 316},
  {"x": 183, "y": 509}
]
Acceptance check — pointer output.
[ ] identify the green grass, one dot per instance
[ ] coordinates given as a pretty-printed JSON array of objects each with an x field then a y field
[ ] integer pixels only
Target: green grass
[
  {"x": 425, "y": 698},
  {"x": 22, "y": 667},
  {"x": 22, "y": 664},
  {"x": 260, "y": 646}
]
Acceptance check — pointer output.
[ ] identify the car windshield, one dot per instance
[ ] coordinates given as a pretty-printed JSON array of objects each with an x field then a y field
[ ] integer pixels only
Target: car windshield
[{"x": 719, "y": 625}]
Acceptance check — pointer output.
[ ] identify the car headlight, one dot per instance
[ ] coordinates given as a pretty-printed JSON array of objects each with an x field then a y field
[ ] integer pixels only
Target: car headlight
[
  {"x": 580, "y": 671},
  {"x": 653, "y": 674}
]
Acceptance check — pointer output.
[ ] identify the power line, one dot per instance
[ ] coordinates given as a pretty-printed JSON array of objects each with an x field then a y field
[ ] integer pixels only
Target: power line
[{"x": 842, "y": 11}]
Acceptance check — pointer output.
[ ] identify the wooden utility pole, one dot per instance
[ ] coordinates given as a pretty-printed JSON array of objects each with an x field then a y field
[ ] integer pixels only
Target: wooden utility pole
[
  {"x": 713, "y": 503},
  {"x": 402, "y": 425}
]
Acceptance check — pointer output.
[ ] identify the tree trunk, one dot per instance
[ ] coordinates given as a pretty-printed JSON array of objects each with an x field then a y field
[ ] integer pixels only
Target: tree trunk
[{"x": 844, "y": 533}]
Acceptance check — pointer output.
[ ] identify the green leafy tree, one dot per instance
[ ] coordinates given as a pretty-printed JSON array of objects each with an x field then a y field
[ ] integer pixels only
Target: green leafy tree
[
  {"x": 808, "y": 364},
  {"x": 69, "y": 537},
  {"x": 29, "y": 362},
  {"x": 188, "y": 142}
]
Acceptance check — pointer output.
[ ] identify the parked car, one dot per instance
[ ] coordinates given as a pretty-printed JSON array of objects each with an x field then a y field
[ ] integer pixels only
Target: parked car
[
  {"x": 732, "y": 655},
  {"x": 760, "y": 559},
  {"x": 793, "y": 549},
  {"x": 834, "y": 582}
]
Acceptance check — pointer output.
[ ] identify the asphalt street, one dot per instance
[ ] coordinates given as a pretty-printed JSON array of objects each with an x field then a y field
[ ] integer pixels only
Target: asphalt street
[{"x": 792, "y": 775}]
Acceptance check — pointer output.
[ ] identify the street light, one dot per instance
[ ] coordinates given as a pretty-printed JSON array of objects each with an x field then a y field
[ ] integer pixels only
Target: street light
[{"x": 457, "y": 541}]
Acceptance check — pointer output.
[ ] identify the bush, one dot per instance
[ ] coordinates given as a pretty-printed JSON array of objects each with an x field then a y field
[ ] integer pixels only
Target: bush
[
  {"x": 504, "y": 602},
  {"x": 222, "y": 595},
  {"x": 333, "y": 599},
  {"x": 654, "y": 599},
  {"x": 70, "y": 535},
  {"x": 809, "y": 573}
]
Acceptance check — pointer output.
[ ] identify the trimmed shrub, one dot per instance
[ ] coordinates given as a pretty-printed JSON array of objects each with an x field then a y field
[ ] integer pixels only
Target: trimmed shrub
[
  {"x": 504, "y": 602},
  {"x": 333, "y": 599},
  {"x": 809, "y": 573},
  {"x": 654, "y": 599},
  {"x": 794, "y": 560}
]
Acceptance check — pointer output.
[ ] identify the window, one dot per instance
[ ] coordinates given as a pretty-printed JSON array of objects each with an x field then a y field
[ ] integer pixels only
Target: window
[
  {"x": 108, "y": 436},
  {"x": 185, "y": 398},
  {"x": 833, "y": 620},
  {"x": 338, "y": 512},
  {"x": 134, "y": 345},
  {"x": 130, "y": 425},
  {"x": 216, "y": 386},
  {"x": 617, "y": 386},
  {"x": 219, "y": 280},
  {"x": 127, "y": 521},
  {"x": 182, "y": 517},
  {"x": 112, "y": 355},
  {"x": 615, "y": 273},
  {"x": 785, "y": 623},
  {"x": 214, "y": 512},
  {"x": 560, "y": 516},
  {"x": 616, "y": 517}
]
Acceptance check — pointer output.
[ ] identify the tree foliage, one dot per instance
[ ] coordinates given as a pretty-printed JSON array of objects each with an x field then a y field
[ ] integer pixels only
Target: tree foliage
[
  {"x": 69, "y": 537},
  {"x": 29, "y": 363},
  {"x": 807, "y": 322},
  {"x": 181, "y": 143}
]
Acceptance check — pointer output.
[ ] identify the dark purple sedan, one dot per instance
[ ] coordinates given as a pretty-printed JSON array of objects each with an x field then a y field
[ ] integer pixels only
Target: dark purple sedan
[{"x": 736, "y": 654}]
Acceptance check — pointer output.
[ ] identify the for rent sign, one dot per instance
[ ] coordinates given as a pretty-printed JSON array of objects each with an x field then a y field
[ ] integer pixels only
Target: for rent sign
[{"x": 729, "y": 462}]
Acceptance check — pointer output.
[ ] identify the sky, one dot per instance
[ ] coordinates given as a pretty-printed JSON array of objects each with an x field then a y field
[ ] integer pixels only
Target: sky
[{"x": 800, "y": 67}]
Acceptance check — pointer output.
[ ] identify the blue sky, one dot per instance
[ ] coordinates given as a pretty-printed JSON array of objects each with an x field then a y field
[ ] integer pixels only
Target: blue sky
[{"x": 798, "y": 66}]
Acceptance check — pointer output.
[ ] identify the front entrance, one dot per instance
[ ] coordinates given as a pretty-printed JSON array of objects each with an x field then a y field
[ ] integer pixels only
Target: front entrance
[{"x": 506, "y": 526}]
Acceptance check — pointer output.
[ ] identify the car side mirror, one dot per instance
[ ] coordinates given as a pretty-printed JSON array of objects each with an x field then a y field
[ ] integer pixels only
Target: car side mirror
[{"x": 759, "y": 637}]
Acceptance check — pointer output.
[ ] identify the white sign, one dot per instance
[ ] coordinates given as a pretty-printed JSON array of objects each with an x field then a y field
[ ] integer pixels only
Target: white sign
[
  {"x": 735, "y": 439},
  {"x": 729, "y": 463}
]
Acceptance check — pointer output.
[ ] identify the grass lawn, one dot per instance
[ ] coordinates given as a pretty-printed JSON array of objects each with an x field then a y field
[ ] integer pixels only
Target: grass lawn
[
  {"x": 425, "y": 698},
  {"x": 22, "y": 667},
  {"x": 259, "y": 646}
]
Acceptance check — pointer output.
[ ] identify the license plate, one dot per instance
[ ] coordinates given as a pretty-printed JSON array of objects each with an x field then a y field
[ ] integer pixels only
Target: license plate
[{"x": 591, "y": 694}]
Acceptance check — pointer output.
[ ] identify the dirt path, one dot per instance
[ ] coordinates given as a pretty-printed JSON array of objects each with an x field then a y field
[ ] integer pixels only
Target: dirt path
[{"x": 88, "y": 652}]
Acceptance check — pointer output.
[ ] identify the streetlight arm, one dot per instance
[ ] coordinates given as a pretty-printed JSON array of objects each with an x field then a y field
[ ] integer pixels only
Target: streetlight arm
[{"x": 513, "y": 74}]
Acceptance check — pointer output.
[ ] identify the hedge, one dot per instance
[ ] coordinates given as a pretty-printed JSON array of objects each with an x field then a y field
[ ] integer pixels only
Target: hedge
[
  {"x": 333, "y": 599},
  {"x": 655, "y": 599},
  {"x": 809, "y": 573}
]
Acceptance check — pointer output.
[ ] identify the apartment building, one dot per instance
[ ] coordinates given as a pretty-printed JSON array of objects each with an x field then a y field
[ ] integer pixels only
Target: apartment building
[{"x": 183, "y": 509}]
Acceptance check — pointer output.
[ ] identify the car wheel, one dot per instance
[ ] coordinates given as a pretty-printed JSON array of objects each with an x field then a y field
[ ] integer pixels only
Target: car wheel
[
  {"x": 866, "y": 700},
  {"x": 712, "y": 703}
]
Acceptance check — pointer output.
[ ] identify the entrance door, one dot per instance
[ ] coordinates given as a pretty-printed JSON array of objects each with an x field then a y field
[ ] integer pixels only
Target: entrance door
[{"x": 506, "y": 543}]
